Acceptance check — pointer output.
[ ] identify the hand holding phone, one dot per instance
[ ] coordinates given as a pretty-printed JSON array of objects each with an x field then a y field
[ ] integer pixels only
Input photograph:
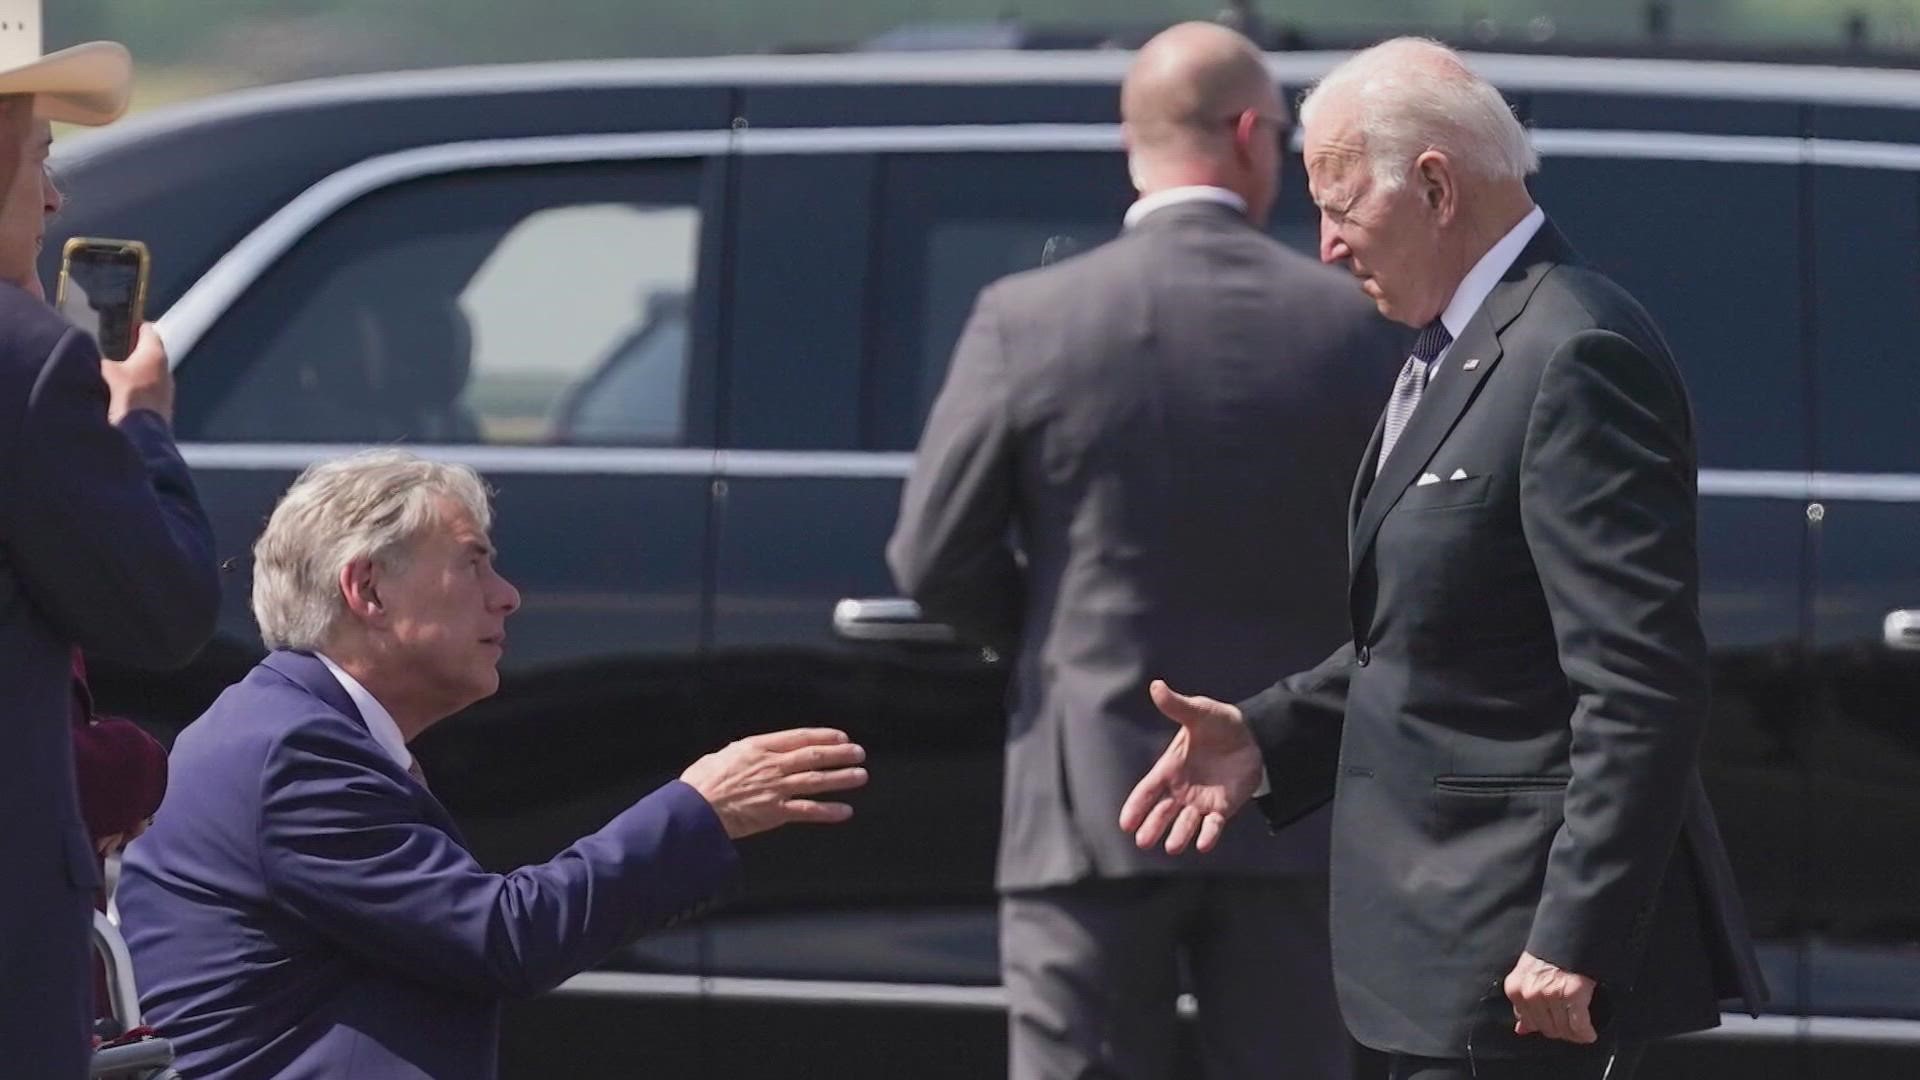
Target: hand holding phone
[
  {"x": 103, "y": 290},
  {"x": 143, "y": 381}
]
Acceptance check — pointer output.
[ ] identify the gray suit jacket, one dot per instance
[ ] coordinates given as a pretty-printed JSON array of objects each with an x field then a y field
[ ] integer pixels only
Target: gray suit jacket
[
  {"x": 103, "y": 545},
  {"x": 1136, "y": 470},
  {"x": 1511, "y": 740}
]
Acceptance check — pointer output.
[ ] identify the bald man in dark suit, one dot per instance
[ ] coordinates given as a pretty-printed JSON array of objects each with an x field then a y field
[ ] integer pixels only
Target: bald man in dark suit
[{"x": 1193, "y": 369}]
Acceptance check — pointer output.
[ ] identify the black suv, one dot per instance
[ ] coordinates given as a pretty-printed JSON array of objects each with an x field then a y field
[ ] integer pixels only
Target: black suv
[{"x": 688, "y": 316}]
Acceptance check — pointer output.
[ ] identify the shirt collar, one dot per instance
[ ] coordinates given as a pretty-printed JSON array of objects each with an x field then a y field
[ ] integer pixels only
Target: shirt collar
[
  {"x": 1479, "y": 282},
  {"x": 379, "y": 721},
  {"x": 1159, "y": 200}
]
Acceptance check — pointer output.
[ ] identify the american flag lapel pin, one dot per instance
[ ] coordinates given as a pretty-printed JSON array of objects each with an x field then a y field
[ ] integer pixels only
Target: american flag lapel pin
[{"x": 1472, "y": 362}]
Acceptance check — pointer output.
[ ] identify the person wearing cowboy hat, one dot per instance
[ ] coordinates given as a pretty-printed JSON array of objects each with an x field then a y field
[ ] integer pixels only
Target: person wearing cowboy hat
[{"x": 103, "y": 545}]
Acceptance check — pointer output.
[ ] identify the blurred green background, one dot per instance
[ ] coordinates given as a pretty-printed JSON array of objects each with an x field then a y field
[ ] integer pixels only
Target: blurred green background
[{"x": 192, "y": 47}]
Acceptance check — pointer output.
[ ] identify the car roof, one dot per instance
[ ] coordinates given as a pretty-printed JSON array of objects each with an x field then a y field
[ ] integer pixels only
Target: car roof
[
  {"x": 1516, "y": 73},
  {"x": 194, "y": 179}
]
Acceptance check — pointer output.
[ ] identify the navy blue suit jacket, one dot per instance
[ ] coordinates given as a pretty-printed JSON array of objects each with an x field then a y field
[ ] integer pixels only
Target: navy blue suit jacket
[
  {"x": 102, "y": 545},
  {"x": 302, "y": 908}
]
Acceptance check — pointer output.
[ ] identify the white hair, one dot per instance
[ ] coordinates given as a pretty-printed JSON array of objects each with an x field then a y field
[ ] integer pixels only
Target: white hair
[
  {"x": 1412, "y": 95},
  {"x": 370, "y": 505}
]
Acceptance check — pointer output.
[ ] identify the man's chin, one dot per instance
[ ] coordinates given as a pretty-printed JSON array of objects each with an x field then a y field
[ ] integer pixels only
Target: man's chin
[{"x": 483, "y": 685}]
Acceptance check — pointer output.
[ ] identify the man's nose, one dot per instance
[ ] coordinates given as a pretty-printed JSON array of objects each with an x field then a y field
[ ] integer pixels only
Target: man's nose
[
  {"x": 1332, "y": 248},
  {"x": 507, "y": 599}
]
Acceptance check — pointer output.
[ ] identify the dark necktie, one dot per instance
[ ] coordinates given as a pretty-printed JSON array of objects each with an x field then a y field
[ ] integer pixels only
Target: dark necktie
[{"x": 1412, "y": 382}]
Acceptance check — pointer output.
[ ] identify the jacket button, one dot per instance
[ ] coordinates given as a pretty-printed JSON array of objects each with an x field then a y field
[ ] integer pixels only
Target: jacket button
[{"x": 1365, "y": 655}]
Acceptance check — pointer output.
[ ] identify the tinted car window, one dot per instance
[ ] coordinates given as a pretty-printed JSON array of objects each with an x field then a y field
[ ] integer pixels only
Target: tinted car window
[
  {"x": 1712, "y": 251},
  {"x": 797, "y": 257},
  {"x": 514, "y": 306},
  {"x": 1866, "y": 235},
  {"x": 949, "y": 224}
]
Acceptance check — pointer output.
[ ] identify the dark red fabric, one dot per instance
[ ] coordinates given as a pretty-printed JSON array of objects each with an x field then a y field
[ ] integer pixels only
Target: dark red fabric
[
  {"x": 121, "y": 773},
  {"x": 121, "y": 770}
]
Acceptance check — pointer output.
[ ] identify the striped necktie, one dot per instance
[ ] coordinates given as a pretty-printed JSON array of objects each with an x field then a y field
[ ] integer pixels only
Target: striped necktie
[{"x": 1433, "y": 340}]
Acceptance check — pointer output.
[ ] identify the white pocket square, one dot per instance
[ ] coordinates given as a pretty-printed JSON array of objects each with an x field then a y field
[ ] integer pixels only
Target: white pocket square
[
  {"x": 1425, "y": 479},
  {"x": 1458, "y": 474}
]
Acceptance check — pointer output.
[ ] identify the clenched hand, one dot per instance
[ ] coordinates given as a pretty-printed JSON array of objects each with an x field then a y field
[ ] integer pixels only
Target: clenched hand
[
  {"x": 1550, "y": 1000},
  {"x": 765, "y": 781}
]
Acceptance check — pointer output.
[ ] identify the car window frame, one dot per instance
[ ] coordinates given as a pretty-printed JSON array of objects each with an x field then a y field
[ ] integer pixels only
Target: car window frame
[{"x": 219, "y": 294}]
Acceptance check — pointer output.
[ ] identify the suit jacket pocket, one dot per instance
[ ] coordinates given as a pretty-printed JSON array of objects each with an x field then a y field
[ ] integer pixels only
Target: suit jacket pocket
[
  {"x": 1445, "y": 493},
  {"x": 1461, "y": 784}
]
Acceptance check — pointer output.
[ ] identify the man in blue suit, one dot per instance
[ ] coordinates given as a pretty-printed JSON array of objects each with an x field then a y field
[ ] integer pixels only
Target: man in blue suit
[
  {"x": 303, "y": 906},
  {"x": 102, "y": 546}
]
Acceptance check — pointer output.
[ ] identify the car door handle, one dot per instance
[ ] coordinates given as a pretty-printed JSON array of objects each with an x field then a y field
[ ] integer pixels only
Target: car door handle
[
  {"x": 1903, "y": 630},
  {"x": 888, "y": 619}
]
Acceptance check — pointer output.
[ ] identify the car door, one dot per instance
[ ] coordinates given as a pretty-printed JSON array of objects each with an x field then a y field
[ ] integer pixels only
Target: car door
[
  {"x": 857, "y": 259},
  {"x": 1864, "y": 509},
  {"x": 1703, "y": 230}
]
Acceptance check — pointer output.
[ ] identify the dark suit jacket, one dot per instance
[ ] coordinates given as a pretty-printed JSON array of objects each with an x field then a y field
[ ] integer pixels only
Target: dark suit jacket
[
  {"x": 1135, "y": 470},
  {"x": 103, "y": 545},
  {"x": 1511, "y": 739},
  {"x": 302, "y": 909}
]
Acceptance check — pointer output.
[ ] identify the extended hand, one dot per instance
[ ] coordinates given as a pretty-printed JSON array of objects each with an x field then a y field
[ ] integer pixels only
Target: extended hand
[
  {"x": 762, "y": 781},
  {"x": 1207, "y": 774},
  {"x": 1550, "y": 1001}
]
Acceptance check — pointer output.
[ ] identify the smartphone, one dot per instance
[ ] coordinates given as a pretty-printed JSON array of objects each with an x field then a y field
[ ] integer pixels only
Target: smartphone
[{"x": 103, "y": 290}]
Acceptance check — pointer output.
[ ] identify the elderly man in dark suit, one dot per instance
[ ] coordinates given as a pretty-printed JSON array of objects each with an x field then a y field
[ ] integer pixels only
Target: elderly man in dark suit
[
  {"x": 303, "y": 907},
  {"x": 1191, "y": 370},
  {"x": 102, "y": 545},
  {"x": 1527, "y": 878}
]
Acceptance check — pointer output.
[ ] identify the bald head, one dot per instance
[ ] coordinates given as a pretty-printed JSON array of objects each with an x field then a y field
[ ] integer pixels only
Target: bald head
[
  {"x": 1198, "y": 108},
  {"x": 1188, "y": 84}
]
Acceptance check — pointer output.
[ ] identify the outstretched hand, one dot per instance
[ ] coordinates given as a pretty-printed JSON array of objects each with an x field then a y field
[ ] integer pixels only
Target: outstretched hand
[
  {"x": 1205, "y": 776},
  {"x": 765, "y": 781}
]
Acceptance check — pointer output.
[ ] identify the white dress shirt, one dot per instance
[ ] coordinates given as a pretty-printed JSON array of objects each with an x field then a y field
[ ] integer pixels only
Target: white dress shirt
[
  {"x": 1467, "y": 298},
  {"x": 1159, "y": 200},
  {"x": 1479, "y": 282},
  {"x": 379, "y": 720}
]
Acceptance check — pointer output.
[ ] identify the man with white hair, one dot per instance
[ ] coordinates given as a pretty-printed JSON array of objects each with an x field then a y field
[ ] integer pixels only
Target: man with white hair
[
  {"x": 303, "y": 906},
  {"x": 1527, "y": 877}
]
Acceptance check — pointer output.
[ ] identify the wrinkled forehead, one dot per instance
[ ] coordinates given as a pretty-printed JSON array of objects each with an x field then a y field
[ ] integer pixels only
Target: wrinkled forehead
[{"x": 1335, "y": 156}]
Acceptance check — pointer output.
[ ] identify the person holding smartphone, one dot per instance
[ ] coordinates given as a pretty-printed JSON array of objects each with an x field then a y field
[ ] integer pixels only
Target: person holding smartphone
[
  {"x": 122, "y": 771},
  {"x": 103, "y": 546}
]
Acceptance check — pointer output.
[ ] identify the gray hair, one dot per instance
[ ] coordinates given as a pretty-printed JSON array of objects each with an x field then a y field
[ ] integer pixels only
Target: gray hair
[
  {"x": 366, "y": 506},
  {"x": 1413, "y": 95}
]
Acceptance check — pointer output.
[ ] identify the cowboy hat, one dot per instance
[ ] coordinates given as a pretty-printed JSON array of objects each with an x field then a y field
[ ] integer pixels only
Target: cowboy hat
[{"x": 87, "y": 84}]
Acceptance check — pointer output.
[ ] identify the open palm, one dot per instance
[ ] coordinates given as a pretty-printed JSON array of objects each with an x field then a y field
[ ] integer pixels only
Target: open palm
[{"x": 1206, "y": 775}]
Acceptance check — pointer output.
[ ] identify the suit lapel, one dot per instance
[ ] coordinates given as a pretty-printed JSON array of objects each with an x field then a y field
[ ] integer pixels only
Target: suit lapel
[
  {"x": 1452, "y": 389},
  {"x": 1363, "y": 483}
]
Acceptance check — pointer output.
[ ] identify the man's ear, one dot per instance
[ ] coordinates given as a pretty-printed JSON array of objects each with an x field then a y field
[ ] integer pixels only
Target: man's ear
[
  {"x": 1434, "y": 175},
  {"x": 360, "y": 588},
  {"x": 1246, "y": 128}
]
